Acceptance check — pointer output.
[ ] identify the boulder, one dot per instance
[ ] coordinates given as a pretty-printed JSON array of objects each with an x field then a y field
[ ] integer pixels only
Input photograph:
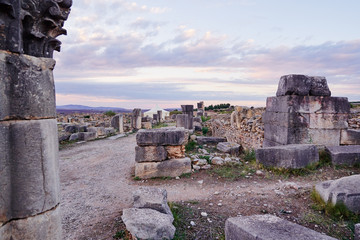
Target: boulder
[
  {"x": 153, "y": 198},
  {"x": 217, "y": 161},
  {"x": 150, "y": 154},
  {"x": 162, "y": 136},
  {"x": 345, "y": 190},
  {"x": 268, "y": 227},
  {"x": 229, "y": 147},
  {"x": 74, "y": 137},
  {"x": 168, "y": 168},
  {"x": 86, "y": 136},
  {"x": 210, "y": 140},
  {"x": 148, "y": 224},
  {"x": 344, "y": 155},
  {"x": 288, "y": 156}
]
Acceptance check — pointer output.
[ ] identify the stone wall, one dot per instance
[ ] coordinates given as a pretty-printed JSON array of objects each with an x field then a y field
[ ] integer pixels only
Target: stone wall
[
  {"x": 354, "y": 118},
  {"x": 242, "y": 126}
]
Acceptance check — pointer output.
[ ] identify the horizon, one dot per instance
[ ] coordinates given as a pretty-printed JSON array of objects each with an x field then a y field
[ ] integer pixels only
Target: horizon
[{"x": 129, "y": 54}]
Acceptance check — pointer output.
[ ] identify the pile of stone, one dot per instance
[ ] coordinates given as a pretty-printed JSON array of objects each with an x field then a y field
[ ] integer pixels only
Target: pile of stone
[
  {"x": 150, "y": 216},
  {"x": 354, "y": 119},
  {"x": 74, "y": 132},
  {"x": 161, "y": 153},
  {"x": 303, "y": 112}
]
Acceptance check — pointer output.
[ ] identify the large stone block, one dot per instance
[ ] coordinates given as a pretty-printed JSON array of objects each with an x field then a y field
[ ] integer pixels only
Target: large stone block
[
  {"x": 148, "y": 224},
  {"x": 287, "y": 119},
  {"x": 153, "y": 198},
  {"x": 168, "y": 168},
  {"x": 210, "y": 140},
  {"x": 288, "y": 156},
  {"x": 185, "y": 121},
  {"x": 303, "y": 85},
  {"x": 26, "y": 87},
  {"x": 150, "y": 154},
  {"x": 229, "y": 147},
  {"x": 345, "y": 190},
  {"x": 29, "y": 179},
  {"x": 43, "y": 226},
  {"x": 326, "y": 137},
  {"x": 350, "y": 137},
  {"x": 162, "y": 136},
  {"x": 268, "y": 227},
  {"x": 328, "y": 121},
  {"x": 344, "y": 155},
  {"x": 308, "y": 104},
  {"x": 86, "y": 136},
  {"x": 187, "y": 109}
]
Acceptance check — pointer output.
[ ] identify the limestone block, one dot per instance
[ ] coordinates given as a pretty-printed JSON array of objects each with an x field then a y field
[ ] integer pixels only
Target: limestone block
[
  {"x": 229, "y": 147},
  {"x": 94, "y": 130},
  {"x": 26, "y": 87},
  {"x": 345, "y": 190},
  {"x": 153, "y": 198},
  {"x": 162, "y": 136},
  {"x": 268, "y": 227},
  {"x": 302, "y": 85},
  {"x": 74, "y": 137},
  {"x": 150, "y": 154},
  {"x": 308, "y": 104},
  {"x": 327, "y": 137},
  {"x": 184, "y": 120},
  {"x": 86, "y": 136},
  {"x": 175, "y": 151},
  {"x": 168, "y": 168},
  {"x": 288, "y": 156},
  {"x": 210, "y": 140},
  {"x": 43, "y": 226},
  {"x": 284, "y": 135},
  {"x": 328, "y": 121},
  {"x": 72, "y": 128},
  {"x": 269, "y": 143},
  {"x": 117, "y": 122},
  {"x": 344, "y": 155},
  {"x": 187, "y": 109},
  {"x": 287, "y": 119},
  {"x": 29, "y": 179},
  {"x": 148, "y": 224},
  {"x": 109, "y": 131},
  {"x": 350, "y": 137}
]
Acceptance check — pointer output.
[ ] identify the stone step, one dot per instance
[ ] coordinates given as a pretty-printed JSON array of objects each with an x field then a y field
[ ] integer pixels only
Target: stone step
[
  {"x": 268, "y": 227},
  {"x": 344, "y": 155},
  {"x": 288, "y": 156}
]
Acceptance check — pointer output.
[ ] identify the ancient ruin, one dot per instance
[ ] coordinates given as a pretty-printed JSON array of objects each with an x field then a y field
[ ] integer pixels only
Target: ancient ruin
[{"x": 29, "y": 193}]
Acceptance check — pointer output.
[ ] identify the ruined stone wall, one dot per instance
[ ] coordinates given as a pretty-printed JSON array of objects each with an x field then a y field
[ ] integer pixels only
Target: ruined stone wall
[
  {"x": 243, "y": 126},
  {"x": 354, "y": 118}
]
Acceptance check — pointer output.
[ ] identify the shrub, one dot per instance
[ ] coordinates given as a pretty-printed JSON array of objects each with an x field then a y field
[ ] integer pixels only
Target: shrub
[
  {"x": 109, "y": 113},
  {"x": 190, "y": 146},
  {"x": 205, "y": 130},
  {"x": 204, "y": 119}
]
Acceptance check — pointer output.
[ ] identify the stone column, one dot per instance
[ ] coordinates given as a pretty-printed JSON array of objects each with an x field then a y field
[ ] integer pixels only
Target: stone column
[
  {"x": 186, "y": 119},
  {"x": 29, "y": 170},
  {"x": 117, "y": 122},
  {"x": 159, "y": 115},
  {"x": 136, "y": 119},
  {"x": 155, "y": 118}
]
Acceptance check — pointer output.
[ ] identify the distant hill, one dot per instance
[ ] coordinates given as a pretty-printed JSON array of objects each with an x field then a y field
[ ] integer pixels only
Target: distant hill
[{"x": 82, "y": 108}]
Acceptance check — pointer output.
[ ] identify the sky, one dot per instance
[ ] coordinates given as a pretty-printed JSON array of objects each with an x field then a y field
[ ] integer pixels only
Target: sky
[{"x": 145, "y": 53}]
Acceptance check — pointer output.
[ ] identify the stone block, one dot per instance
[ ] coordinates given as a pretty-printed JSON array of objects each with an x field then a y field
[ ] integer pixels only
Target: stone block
[
  {"x": 344, "y": 155},
  {"x": 72, "y": 128},
  {"x": 146, "y": 125},
  {"x": 326, "y": 137},
  {"x": 150, "y": 154},
  {"x": 302, "y": 85},
  {"x": 168, "y": 168},
  {"x": 117, "y": 122},
  {"x": 345, "y": 190},
  {"x": 308, "y": 104},
  {"x": 29, "y": 168},
  {"x": 162, "y": 136},
  {"x": 357, "y": 232},
  {"x": 328, "y": 121},
  {"x": 43, "y": 226},
  {"x": 148, "y": 224},
  {"x": 269, "y": 143},
  {"x": 197, "y": 119},
  {"x": 284, "y": 135},
  {"x": 74, "y": 137},
  {"x": 184, "y": 120},
  {"x": 229, "y": 147},
  {"x": 187, "y": 109},
  {"x": 153, "y": 198},
  {"x": 109, "y": 131},
  {"x": 26, "y": 87},
  {"x": 287, "y": 119},
  {"x": 175, "y": 151},
  {"x": 268, "y": 227},
  {"x": 350, "y": 137},
  {"x": 210, "y": 140},
  {"x": 288, "y": 156},
  {"x": 86, "y": 136}
]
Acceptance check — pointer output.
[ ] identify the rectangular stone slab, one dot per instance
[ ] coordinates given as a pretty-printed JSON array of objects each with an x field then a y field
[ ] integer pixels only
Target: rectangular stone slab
[
  {"x": 29, "y": 178},
  {"x": 268, "y": 227},
  {"x": 288, "y": 156},
  {"x": 27, "y": 87},
  {"x": 210, "y": 140},
  {"x": 168, "y": 168},
  {"x": 285, "y": 119},
  {"x": 344, "y": 155},
  {"x": 308, "y": 104},
  {"x": 162, "y": 137},
  {"x": 150, "y": 154},
  {"x": 350, "y": 137}
]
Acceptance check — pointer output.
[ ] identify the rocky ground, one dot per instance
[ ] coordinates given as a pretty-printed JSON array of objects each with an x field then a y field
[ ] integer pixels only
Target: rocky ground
[{"x": 97, "y": 183}]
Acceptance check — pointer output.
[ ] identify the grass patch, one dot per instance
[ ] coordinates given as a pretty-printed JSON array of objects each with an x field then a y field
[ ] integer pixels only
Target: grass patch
[
  {"x": 232, "y": 171},
  {"x": 190, "y": 146},
  {"x": 249, "y": 155},
  {"x": 185, "y": 175},
  {"x": 207, "y": 158},
  {"x": 179, "y": 212},
  {"x": 137, "y": 178},
  {"x": 205, "y": 119},
  {"x": 204, "y": 130}
]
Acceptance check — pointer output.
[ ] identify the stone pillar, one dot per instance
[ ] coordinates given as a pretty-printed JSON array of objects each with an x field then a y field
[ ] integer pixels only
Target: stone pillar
[
  {"x": 29, "y": 168},
  {"x": 185, "y": 120},
  {"x": 136, "y": 119},
  {"x": 200, "y": 109},
  {"x": 155, "y": 119},
  {"x": 117, "y": 122},
  {"x": 159, "y": 113}
]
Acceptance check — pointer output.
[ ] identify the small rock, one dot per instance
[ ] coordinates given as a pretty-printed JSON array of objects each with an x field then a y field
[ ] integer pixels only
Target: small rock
[
  {"x": 209, "y": 220},
  {"x": 291, "y": 185},
  {"x": 259, "y": 173},
  {"x": 205, "y": 167},
  {"x": 227, "y": 159},
  {"x": 211, "y": 204},
  {"x": 196, "y": 167},
  {"x": 216, "y": 193},
  {"x": 219, "y": 204},
  {"x": 201, "y": 181},
  {"x": 204, "y": 214},
  {"x": 177, "y": 178},
  {"x": 201, "y": 162},
  {"x": 193, "y": 137},
  {"x": 217, "y": 161},
  {"x": 192, "y": 223}
]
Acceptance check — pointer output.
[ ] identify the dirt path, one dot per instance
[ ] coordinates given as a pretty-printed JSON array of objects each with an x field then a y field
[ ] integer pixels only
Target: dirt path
[{"x": 97, "y": 183}]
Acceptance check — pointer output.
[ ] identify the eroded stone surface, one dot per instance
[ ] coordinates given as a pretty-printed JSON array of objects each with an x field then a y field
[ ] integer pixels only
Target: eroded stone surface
[
  {"x": 268, "y": 227},
  {"x": 150, "y": 154},
  {"x": 162, "y": 136},
  {"x": 168, "y": 168},
  {"x": 210, "y": 140},
  {"x": 148, "y": 224},
  {"x": 345, "y": 190},
  {"x": 229, "y": 147},
  {"x": 29, "y": 168},
  {"x": 344, "y": 155},
  {"x": 288, "y": 156},
  {"x": 175, "y": 151},
  {"x": 350, "y": 137}
]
